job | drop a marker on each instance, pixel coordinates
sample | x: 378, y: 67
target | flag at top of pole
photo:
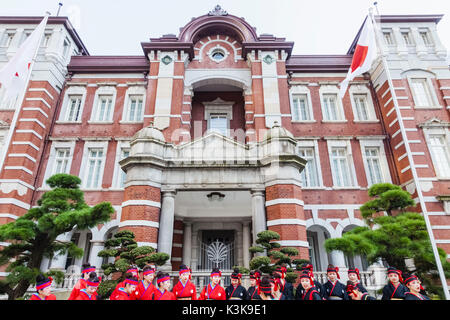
x: 14, y: 75
x: 365, y: 53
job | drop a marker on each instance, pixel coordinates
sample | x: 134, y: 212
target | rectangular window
x: 330, y: 107
x: 362, y: 112
x: 104, y: 108
x: 407, y: 38
x: 340, y: 167
x: 441, y: 155
x: 373, y: 162
x: 388, y: 38
x: 426, y: 38
x: 46, y: 40
x: 74, y: 108
x: 309, y: 175
x: 422, y: 93
x: 62, y: 159
x: 300, y: 108
x: 219, y: 123
x: 66, y: 47
x: 124, y: 153
x: 135, y: 108
x: 8, y: 38
x: 94, y: 167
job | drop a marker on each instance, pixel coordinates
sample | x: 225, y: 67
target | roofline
x: 435, y: 18
x: 108, y: 64
x: 51, y: 20
x: 318, y: 63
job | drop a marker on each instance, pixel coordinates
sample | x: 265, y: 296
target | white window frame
x: 72, y: 90
x: 8, y: 37
x: 133, y: 91
x: 362, y: 90
x: 313, y: 144
x: 334, y: 90
x: 418, y: 74
x: 446, y: 134
x: 344, y: 143
x: 385, y: 172
x: 51, y: 164
x: 84, y: 162
x: 301, y: 90
x: 426, y: 31
x: 391, y: 37
x: 122, y: 144
x: 408, y: 42
x: 219, y: 106
x: 103, y: 91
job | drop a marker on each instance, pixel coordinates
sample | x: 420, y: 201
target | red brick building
x: 217, y: 133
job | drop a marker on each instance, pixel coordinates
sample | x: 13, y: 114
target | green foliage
x: 242, y: 270
x: 273, y: 252
x: 392, y: 237
x: 105, y: 288
x: 33, y: 235
x: 125, y: 251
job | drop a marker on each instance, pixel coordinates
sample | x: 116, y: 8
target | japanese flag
x: 365, y: 53
x: 13, y: 76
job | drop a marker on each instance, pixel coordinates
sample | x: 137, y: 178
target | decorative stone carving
x: 218, y: 11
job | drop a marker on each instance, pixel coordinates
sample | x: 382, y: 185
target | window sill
x: 303, y: 121
x: 100, y: 122
x: 427, y: 107
x: 347, y: 188
x: 334, y: 121
x: 131, y: 122
x: 68, y: 122
x: 366, y: 121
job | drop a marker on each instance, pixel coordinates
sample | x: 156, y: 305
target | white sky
x: 316, y: 26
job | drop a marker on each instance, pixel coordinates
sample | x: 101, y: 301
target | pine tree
x: 393, y: 235
x: 33, y: 235
x: 275, y: 255
x: 126, y: 252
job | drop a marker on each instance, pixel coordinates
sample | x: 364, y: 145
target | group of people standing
x: 139, y: 285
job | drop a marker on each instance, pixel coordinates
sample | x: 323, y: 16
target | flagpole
x: 411, y: 160
x: 19, y: 102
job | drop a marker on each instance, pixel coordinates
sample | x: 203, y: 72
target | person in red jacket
x: 90, y: 292
x: 132, y: 271
x: 185, y: 289
x: 145, y: 288
x: 213, y: 291
x: 162, y: 291
x: 127, y: 291
x: 86, y: 269
x: 43, y: 288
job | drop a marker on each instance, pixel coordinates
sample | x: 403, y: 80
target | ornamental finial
x: 218, y: 11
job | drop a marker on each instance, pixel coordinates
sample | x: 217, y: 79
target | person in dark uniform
x: 307, y: 267
x: 309, y: 290
x: 235, y: 291
x: 355, y: 293
x: 265, y: 288
x: 353, y: 276
x: 333, y: 289
x: 255, y: 277
x: 286, y: 288
x: 394, y: 290
x: 414, y: 285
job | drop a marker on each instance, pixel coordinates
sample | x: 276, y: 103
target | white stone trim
x: 284, y: 201
x: 385, y: 173
x: 15, y: 202
x: 141, y: 203
x: 29, y: 131
x: 286, y: 222
x: 32, y: 120
x: 109, y: 90
x: 72, y: 90
x: 36, y: 109
x: 301, y: 90
x: 26, y: 143
x: 293, y: 243
x: 139, y: 223
x: 356, y: 89
x: 19, y: 168
x: 9, y: 215
x: 51, y: 159
x: 133, y: 91
x: 39, y: 99
x: 22, y: 155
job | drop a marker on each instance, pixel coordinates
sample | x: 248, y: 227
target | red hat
x: 307, y: 275
x: 333, y: 269
x: 396, y: 271
x: 185, y: 269
x: 410, y: 278
x: 44, y: 283
x: 354, y: 270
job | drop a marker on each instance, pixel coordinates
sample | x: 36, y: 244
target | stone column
x: 96, y: 247
x: 258, y: 212
x: 421, y: 49
x: 187, y: 243
x: 165, y: 233
x: 402, y: 50
x: 194, y: 252
x: 246, y: 242
x: 239, y: 251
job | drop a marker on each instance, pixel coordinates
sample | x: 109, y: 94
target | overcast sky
x: 316, y: 26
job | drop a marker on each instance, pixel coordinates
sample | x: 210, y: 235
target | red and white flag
x: 365, y: 53
x: 13, y: 76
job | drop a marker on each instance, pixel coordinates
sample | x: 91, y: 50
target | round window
x: 217, y: 55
